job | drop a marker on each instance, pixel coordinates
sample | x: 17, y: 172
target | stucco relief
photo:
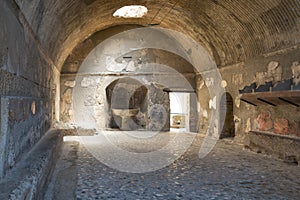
x: 296, y: 72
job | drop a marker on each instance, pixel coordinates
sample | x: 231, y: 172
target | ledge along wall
x: 281, y: 119
x: 26, y: 87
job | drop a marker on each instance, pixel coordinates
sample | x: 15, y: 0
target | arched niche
x: 226, y: 113
x: 127, y: 104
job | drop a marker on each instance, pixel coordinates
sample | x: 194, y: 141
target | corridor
x: 229, y: 171
x: 149, y: 99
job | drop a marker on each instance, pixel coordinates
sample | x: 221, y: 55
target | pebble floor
x: 228, y: 172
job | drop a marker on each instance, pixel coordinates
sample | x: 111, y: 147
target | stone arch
x: 226, y: 108
x: 126, y: 96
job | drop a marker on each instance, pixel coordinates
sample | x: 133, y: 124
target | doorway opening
x: 226, y: 113
x: 179, y: 111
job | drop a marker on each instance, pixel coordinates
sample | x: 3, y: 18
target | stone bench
x: 28, y: 178
x: 282, y: 146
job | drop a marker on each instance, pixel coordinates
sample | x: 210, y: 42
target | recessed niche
x: 127, y: 102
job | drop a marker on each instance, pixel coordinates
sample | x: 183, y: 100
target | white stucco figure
x: 296, y: 72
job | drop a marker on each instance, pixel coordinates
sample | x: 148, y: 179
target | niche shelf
x: 289, y: 97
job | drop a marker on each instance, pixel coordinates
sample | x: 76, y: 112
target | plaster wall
x: 84, y: 102
x: 255, y: 118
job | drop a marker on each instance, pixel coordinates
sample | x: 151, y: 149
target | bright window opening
x: 133, y: 11
x: 180, y: 109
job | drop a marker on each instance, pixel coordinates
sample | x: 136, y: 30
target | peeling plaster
x: 237, y: 101
x: 264, y: 121
x: 237, y: 79
x: 88, y: 82
x: 90, y: 101
x: 236, y: 119
x: 213, y: 103
x: 113, y: 66
x: 274, y: 72
x: 66, y: 105
x: 260, y: 78
x: 100, y: 100
x: 201, y: 84
x: 205, y: 114
x: 248, y: 125
x: 130, y: 66
x: 296, y: 72
x: 216, y: 129
x: 224, y: 84
x: 209, y: 82
x: 145, y: 81
x: 70, y: 84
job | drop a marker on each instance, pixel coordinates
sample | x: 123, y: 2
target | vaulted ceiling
x: 231, y: 30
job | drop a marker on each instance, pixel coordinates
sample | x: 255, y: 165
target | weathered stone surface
x: 26, y: 87
x: 296, y: 72
x: 274, y: 72
x: 158, y: 108
x: 264, y: 121
x: 281, y: 126
x: 260, y: 78
x: 34, y: 40
x: 70, y: 84
x: 194, y: 118
x: 88, y: 82
x: 23, y: 123
x: 126, y: 94
x: 28, y: 179
x: 237, y: 79
x: 63, y: 181
x: 273, y: 144
x: 295, y: 128
x: 248, y: 126
x: 94, y: 96
x: 66, y: 106
x: 265, y: 36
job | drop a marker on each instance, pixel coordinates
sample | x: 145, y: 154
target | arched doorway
x: 226, y: 113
